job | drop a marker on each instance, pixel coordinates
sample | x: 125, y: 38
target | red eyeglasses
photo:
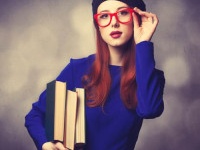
x: 123, y: 16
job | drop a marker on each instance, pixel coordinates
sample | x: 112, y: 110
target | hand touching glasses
x: 144, y: 31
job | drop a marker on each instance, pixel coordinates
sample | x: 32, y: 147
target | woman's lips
x: 115, y: 34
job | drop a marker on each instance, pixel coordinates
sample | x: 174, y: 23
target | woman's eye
x: 123, y: 12
x: 103, y: 16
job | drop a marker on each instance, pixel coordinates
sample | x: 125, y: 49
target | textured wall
x: 38, y: 37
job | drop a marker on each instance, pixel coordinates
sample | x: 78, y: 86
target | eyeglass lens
x: 123, y: 16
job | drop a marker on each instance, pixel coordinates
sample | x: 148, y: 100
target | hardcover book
x: 65, y: 115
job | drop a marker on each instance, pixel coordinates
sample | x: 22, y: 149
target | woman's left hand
x: 144, y: 30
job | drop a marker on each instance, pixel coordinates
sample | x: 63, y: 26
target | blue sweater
x: 114, y: 127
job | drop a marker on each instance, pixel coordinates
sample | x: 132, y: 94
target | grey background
x: 38, y: 37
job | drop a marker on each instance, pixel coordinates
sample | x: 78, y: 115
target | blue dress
x: 113, y: 127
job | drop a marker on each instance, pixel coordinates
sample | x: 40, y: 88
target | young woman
x: 121, y: 82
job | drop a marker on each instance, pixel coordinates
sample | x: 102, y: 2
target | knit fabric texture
x: 131, y: 3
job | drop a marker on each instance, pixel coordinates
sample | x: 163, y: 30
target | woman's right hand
x: 53, y: 146
x: 144, y: 31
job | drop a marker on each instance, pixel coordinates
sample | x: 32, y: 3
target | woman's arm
x: 150, y: 82
x: 35, y: 119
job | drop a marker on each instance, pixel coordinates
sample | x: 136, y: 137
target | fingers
x: 140, y: 12
x: 53, y: 146
x: 135, y: 20
x: 60, y: 146
x: 153, y: 18
x: 48, y: 146
x: 147, y: 16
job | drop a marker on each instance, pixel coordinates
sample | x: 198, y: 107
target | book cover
x: 55, y: 110
x: 70, y: 119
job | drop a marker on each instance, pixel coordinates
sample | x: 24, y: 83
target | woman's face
x: 116, y: 34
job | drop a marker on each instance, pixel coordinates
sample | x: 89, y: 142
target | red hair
x: 98, y: 82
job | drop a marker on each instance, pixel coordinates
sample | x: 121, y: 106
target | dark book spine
x: 50, y: 108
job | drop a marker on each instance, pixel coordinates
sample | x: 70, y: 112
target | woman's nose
x: 114, y: 22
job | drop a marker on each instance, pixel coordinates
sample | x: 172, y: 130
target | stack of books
x: 65, y: 115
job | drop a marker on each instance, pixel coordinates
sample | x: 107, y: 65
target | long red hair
x: 98, y: 82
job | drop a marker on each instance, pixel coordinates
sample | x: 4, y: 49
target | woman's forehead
x: 111, y: 5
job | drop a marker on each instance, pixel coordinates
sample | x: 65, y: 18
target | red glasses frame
x: 114, y: 14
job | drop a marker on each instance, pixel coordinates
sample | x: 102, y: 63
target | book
x: 55, y: 110
x: 70, y: 119
x: 65, y: 115
x: 80, y: 119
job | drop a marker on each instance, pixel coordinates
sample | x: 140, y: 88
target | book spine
x: 49, y: 116
x: 80, y: 119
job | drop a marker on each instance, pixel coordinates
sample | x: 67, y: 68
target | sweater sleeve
x: 150, y: 82
x: 35, y: 119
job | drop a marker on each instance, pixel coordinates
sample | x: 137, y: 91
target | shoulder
x: 85, y: 61
x: 76, y: 67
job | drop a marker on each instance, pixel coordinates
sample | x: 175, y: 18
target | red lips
x: 115, y: 34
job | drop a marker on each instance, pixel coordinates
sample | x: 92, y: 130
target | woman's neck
x: 116, y: 55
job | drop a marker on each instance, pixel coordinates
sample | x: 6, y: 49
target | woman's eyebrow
x: 116, y: 9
